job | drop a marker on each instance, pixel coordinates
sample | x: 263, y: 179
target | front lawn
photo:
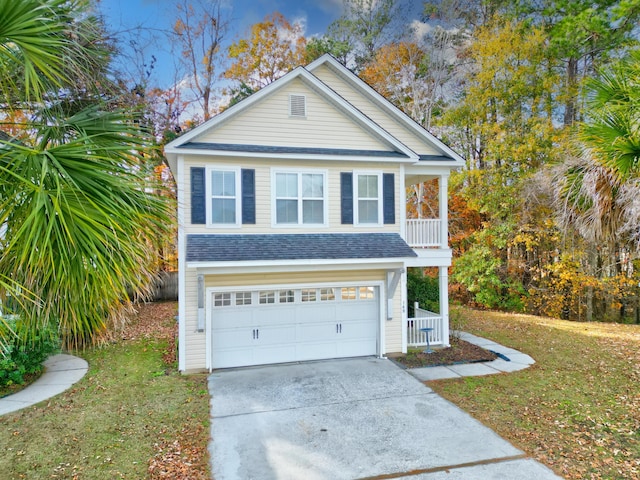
x: 577, y: 409
x: 132, y: 416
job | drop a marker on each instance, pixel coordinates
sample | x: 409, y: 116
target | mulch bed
x: 459, y: 352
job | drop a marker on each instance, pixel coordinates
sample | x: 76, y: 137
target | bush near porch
x: 424, y: 290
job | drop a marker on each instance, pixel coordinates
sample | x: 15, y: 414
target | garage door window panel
x: 267, y: 297
x: 287, y: 296
x: 327, y: 294
x: 309, y: 295
x: 348, y: 293
x: 222, y: 299
x: 243, y: 298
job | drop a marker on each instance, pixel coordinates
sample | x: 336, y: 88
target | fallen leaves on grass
x: 178, y: 458
x: 577, y: 409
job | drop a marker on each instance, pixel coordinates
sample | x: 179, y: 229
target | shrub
x: 22, y: 352
x: 424, y: 290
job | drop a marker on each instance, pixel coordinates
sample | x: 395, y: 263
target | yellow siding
x: 366, y: 106
x: 393, y: 328
x: 263, y: 195
x: 195, y: 342
x: 292, y: 278
x: 267, y: 122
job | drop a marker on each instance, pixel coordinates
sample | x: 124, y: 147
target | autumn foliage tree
x: 274, y: 47
x: 199, y: 30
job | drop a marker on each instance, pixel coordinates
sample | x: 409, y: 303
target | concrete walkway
x: 61, y: 372
x: 510, y: 360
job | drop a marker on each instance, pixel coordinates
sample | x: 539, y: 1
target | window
x: 243, y: 298
x: 267, y: 297
x: 308, y: 295
x: 327, y: 294
x: 287, y: 296
x: 348, y: 293
x: 221, y: 299
x: 300, y: 198
x: 367, y: 197
x: 366, y: 293
x: 224, y: 199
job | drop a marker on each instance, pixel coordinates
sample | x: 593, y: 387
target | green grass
x: 577, y: 409
x: 129, y: 412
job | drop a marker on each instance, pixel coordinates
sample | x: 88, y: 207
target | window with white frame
x: 368, y: 198
x: 224, y: 191
x: 300, y: 198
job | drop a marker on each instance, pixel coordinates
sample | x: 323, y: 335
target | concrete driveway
x: 349, y: 419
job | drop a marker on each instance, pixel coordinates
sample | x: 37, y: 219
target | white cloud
x: 420, y: 29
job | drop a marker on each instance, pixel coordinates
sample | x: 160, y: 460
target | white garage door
x: 255, y: 327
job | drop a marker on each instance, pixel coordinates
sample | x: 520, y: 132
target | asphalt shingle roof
x: 232, y: 147
x: 231, y: 248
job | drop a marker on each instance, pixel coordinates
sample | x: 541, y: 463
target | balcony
x: 425, y: 233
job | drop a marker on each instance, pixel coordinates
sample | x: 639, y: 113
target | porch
x: 438, y: 336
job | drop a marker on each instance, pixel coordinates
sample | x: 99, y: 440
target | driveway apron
x: 349, y: 419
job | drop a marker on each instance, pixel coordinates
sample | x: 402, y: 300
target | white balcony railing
x: 422, y: 233
x: 425, y: 319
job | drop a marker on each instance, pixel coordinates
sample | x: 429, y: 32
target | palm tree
x: 612, y: 134
x: 79, y: 219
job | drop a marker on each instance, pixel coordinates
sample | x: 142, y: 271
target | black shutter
x: 198, y: 189
x: 388, y: 198
x: 346, y: 197
x: 248, y: 196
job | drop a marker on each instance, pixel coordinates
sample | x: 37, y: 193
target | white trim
x: 299, y: 172
x: 209, y: 196
x: 402, y: 200
x: 405, y: 312
x: 295, y: 156
x: 182, y: 270
x: 315, y: 83
x: 385, y: 104
x: 316, y: 263
x: 356, y: 219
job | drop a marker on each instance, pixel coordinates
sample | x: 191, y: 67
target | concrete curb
x: 61, y: 372
x: 511, y: 361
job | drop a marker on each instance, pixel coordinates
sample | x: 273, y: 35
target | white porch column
x: 443, y: 287
x: 443, y: 184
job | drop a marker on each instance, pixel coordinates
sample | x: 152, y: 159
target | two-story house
x: 293, y: 240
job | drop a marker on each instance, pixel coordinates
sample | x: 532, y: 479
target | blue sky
x: 156, y: 16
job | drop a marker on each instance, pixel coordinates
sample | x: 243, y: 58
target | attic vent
x: 297, y: 105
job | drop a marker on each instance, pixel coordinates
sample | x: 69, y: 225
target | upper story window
x: 368, y: 198
x: 300, y: 198
x: 224, y: 195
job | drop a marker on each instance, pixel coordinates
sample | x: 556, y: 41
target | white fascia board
x: 430, y: 257
x: 294, y: 156
x: 434, y: 168
x: 266, y: 266
x: 348, y: 75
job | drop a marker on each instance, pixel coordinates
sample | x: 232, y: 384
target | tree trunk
x: 571, y: 92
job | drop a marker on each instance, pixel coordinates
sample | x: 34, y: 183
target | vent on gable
x: 297, y: 106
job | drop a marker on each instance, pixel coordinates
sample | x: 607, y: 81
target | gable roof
x: 337, y: 246
x: 180, y: 144
x: 360, y: 85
